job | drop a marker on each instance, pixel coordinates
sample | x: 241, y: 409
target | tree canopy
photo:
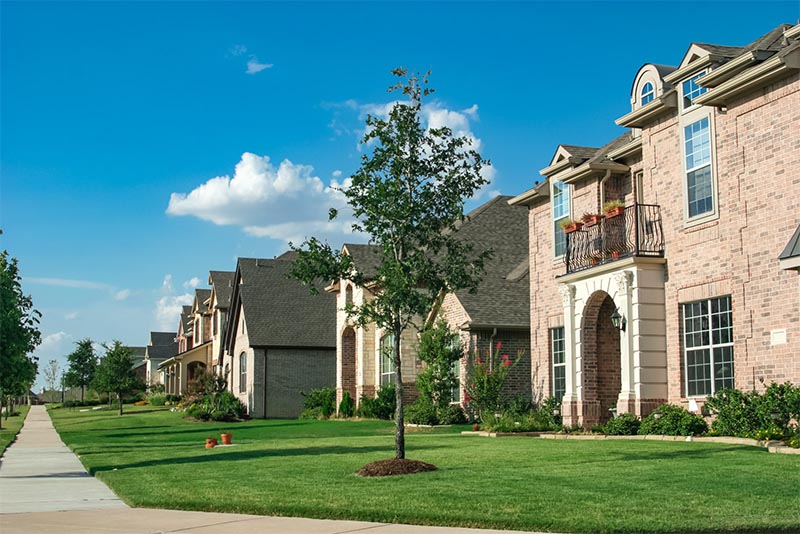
x: 82, y: 366
x: 408, y: 196
x: 115, y: 373
x: 19, y: 332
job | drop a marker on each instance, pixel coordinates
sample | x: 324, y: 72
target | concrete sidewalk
x: 44, y: 489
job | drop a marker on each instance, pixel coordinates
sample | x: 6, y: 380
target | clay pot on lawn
x: 227, y: 438
x: 211, y: 443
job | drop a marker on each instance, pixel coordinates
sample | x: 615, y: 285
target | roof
x: 162, y: 338
x: 223, y: 287
x: 279, y: 310
x: 202, y: 295
x: 503, y: 297
x: 582, y: 152
x: 792, y: 249
x: 162, y: 346
x: 366, y: 258
x: 186, y: 319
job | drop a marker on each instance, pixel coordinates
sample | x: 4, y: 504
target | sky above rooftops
x: 144, y: 144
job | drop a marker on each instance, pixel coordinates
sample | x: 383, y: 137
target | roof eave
x: 630, y: 149
x: 778, y: 66
x: 591, y: 169
x: 692, y: 67
x: 732, y: 68
x: 645, y: 114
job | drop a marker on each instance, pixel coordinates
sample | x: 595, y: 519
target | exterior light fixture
x: 618, y: 320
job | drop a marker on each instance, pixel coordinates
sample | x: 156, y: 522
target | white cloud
x: 65, y: 282
x: 166, y: 285
x: 168, y: 310
x: 288, y: 203
x: 253, y: 65
x: 71, y: 316
x: 238, y: 50
x: 192, y: 283
x: 337, y: 173
x: 122, y: 294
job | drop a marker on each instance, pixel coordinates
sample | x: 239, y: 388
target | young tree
x: 439, y: 348
x: 19, y: 334
x: 52, y: 375
x: 115, y: 374
x: 82, y: 366
x: 408, y: 196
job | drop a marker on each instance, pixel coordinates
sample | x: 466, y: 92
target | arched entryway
x: 195, y: 369
x: 601, y: 363
x: 348, y: 362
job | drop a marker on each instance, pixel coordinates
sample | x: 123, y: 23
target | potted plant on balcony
x: 614, y: 208
x: 569, y: 226
x: 591, y: 219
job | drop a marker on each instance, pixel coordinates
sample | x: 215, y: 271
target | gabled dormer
x: 651, y: 96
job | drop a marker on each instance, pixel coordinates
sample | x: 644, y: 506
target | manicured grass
x: 305, y: 468
x: 11, y: 427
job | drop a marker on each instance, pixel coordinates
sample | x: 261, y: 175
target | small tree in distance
x: 408, y: 196
x: 52, y: 375
x: 115, y: 374
x: 82, y: 366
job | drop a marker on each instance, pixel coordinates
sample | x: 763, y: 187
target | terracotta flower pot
x: 573, y: 227
x: 211, y: 443
x: 227, y: 438
x: 615, y: 212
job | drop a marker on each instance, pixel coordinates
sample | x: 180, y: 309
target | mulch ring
x: 384, y: 468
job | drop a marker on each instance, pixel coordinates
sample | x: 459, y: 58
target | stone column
x: 569, y: 404
x: 626, y: 401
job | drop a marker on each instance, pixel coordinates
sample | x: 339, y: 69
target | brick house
x: 160, y: 347
x: 194, y: 345
x: 687, y: 291
x: 280, y: 339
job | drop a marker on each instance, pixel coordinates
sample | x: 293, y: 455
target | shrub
x: 322, y: 398
x: 626, y: 424
x: 451, y: 415
x: 671, y: 420
x: 347, y: 406
x: 381, y: 407
x: 225, y: 406
x: 530, y: 422
x: 173, y: 398
x: 421, y: 412
x: 158, y: 400
x: 312, y: 413
x: 439, y: 349
x: 751, y: 415
x: 486, y: 380
x: 76, y: 403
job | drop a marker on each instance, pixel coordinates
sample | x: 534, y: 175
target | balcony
x: 635, y: 233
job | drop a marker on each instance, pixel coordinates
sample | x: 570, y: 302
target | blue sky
x: 113, y: 115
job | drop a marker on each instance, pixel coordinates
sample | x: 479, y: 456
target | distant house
x: 499, y: 310
x: 161, y: 347
x: 138, y: 360
x: 194, y: 342
x: 221, y: 283
x: 281, y: 340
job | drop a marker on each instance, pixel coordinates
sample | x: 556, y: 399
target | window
x: 648, y: 93
x: 196, y: 330
x: 691, y: 90
x: 387, y: 363
x: 214, y: 322
x: 699, y: 186
x: 455, y: 393
x: 243, y: 372
x: 708, y: 346
x: 560, y: 212
x: 558, y: 355
x: 348, y: 294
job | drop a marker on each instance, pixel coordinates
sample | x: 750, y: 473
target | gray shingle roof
x: 582, y: 152
x: 202, y: 295
x: 223, y: 286
x: 162, y: 346
x: 186, y: 319
x: 280, y: 311
x: 365, y: 257
x: 792, y: 249
x: 503, y: 297
x: 162, y: 338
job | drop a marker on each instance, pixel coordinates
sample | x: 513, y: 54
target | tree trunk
x: 83, y: 392
x: 119, y: 398
x: 400, y: 429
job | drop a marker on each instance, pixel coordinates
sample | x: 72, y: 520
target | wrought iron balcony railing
x: 636, y: 232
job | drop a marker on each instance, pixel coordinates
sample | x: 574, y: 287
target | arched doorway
x: 195, y: 369
x: 349, y: 362
x: 601, y: 363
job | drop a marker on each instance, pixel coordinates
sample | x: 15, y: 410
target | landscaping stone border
x: 777, y: 447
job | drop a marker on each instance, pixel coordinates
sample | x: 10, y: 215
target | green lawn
x: 11, y: 427
x: 305, y: 468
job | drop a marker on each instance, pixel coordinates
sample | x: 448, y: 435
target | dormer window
x: 560, y: 199
x: 690, y: 90
x: 648, y: 93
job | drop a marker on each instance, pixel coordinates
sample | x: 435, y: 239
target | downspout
x: 491, y: 348
x: 603, y: 180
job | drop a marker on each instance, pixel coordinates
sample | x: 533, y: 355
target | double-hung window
x: 387, y: 360
x: 558, y: 357
x: 708, y: 346
x: 455, y: 369
x: 560, y: 213
x: 690, y: 90
x: 699, y: 182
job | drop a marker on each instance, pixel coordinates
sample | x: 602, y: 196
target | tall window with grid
x: 560, y: 213
x: 558, y: 357
x: 708, y: 346
x: 387, y: 364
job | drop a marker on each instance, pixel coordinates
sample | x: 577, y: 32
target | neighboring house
x: 139, y: 362
x: 221, y: 283
x: 363, y: 360
x: 280, y: 338
x: 194, y: 342
x: 499, y: 311
x: 692, y: 272
x: 162, y: 346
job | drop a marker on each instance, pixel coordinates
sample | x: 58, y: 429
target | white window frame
x: 455, y: 368
x: 703, y: 90
x: 688, y: 120
x: 651, y: 93
x: 557, y: 185
x: 563, y: 364
x: 243, y: 372
x: 711, y: 346
x: 386, y: 376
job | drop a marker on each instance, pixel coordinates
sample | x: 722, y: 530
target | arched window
x: 243, y: 372
x: 387, y: 361
x: 348, y: 294
x: 648, y: 93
